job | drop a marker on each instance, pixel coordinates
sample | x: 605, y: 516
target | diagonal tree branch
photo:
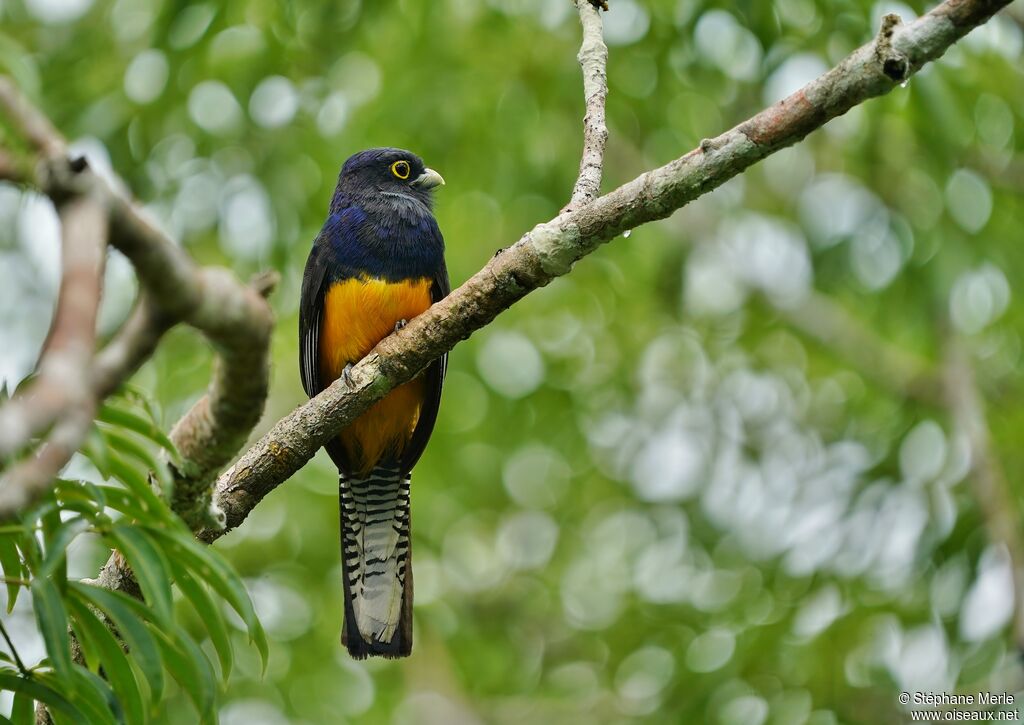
x: 820, y: 317
x: 593, y: 59
x: 131, y: 346
x: 235, y: 318
x: 62, y: 386
x: 550, y: 249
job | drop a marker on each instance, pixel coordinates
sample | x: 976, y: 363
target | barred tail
x: 376, y: 557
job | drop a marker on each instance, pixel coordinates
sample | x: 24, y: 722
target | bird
x: 377, y: 262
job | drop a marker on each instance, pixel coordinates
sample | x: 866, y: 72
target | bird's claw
x: 400, y: 324
x: 346, y: 375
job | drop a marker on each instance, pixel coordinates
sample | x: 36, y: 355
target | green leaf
x: 121, y: 500
x: 53, y: 624
x: 82, y: 496
x: 138, y: 483
x: 28, y: 542
x: 211, y: 616
x: 190, y: 667
x: 150, y: 567
x: 96, y: 450
x: 124, y: 612
x: 57, y: 545
x: 36, y: 690
x: 121, y: 416
x: 208, y: 566
x: 23, y: 711
x: 51, y: 525
x: 95, y: 698
x: 10, y: 560
x: 131, y: 447
x: 103, y: 648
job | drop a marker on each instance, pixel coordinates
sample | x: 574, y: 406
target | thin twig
x: 131, y: 346
x: 902, y: 373
x: 991, y: 488
x: 593, y: 59
x: 14, y: 651
x: 30, y: 123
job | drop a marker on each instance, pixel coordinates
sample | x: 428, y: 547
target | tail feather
x: 376, y: 558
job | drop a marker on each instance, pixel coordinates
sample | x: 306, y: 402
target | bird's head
x: 390, y: 172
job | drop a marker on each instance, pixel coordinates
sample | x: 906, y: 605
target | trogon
x: 377, y: 262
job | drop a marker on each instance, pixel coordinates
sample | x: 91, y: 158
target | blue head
x: 379, y: 176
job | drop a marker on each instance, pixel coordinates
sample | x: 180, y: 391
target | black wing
x: 433, y: 379
x: 311, y: 307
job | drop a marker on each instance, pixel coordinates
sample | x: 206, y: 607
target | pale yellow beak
x: 428, y: 179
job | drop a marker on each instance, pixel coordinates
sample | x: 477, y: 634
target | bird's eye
x: 400, y: 169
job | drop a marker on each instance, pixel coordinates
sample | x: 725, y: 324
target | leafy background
x: 648, y: 496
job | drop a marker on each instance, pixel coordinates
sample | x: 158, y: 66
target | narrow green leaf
x: 82, y: 496
x: 137, y: 482
x: 95, y: 698
x: 98, y: 642
x: 57, y: 545
x: 36, y: 690
x: 131, y: 447
x: 10, y: 561
x: 51, y: 524
x: 124, y: 501
x: 95, y: 449
x: 211, y: 616
x: 208, y: 566
x: 150, y: 567
x: 190, y: 667
x: 34, y: 519
x: 122, y: 611
x: 121, y: 416
x: 53, y: 624
x: 23, y: 711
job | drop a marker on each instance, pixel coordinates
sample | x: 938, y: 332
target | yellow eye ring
x: 401, y: 169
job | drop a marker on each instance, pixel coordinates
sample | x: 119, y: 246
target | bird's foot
x: 346, y: 375
x: 400, y: 324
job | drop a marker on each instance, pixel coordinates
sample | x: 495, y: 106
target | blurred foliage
x: 647, y: 497
x: 159, y: 548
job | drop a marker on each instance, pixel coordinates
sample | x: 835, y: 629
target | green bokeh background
x: 648, y: 498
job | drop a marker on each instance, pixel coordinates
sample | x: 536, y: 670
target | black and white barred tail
x: 376, y: 558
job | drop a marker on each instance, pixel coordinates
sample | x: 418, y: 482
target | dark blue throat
x: 383, y: 236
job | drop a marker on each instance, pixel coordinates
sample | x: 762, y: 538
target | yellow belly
x: 359, y: 313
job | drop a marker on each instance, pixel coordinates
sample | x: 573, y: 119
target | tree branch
x: 823, y: 319
x: 10, y: 170
x: 550, y: 249
x: 992, y: 491
x: 30, y: 123
x: 62, y: 387
x: 593, y: 59
x: 234, y: 317
x: 212, y: 432
x: 131, y: 346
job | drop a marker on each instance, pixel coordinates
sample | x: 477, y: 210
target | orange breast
x: 359, y: 313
